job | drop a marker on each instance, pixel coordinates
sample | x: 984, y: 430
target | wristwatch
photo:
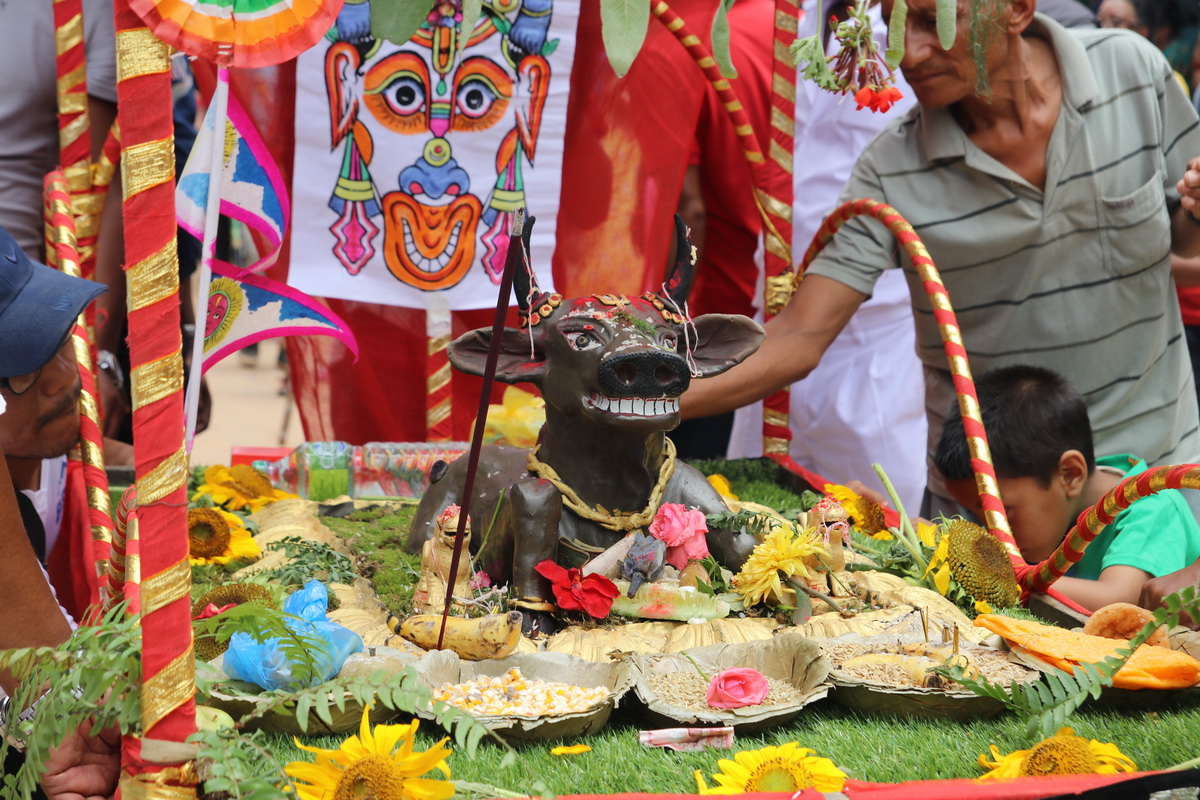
x: 107, y: 362
x: 24, y: 716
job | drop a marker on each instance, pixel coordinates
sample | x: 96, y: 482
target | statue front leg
x: 535, y: 509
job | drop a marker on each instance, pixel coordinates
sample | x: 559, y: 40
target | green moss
x: 377, y: 537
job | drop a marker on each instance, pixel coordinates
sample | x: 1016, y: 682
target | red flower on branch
x: 879, y: 100
x: 574, y: 591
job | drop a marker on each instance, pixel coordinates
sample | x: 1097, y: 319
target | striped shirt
x: 1075, y: 278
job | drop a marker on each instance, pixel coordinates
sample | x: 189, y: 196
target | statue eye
x: 583, y: 341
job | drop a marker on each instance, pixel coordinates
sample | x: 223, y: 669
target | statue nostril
x: 665, y: 375
x: 626, y: 373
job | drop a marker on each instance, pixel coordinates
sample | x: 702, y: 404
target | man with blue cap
x: 39, y: 423
x: 39, y: 382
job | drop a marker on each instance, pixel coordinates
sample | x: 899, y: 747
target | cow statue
x: 611, y: 369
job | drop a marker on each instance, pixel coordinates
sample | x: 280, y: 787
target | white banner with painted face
x: 410, y: 160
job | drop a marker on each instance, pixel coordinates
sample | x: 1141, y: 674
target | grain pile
x: 992, y: 664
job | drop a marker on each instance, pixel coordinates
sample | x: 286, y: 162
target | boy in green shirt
x: 1041, y: 443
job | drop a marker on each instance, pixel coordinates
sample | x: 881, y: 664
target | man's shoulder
x: 1113, y: 47
x: 897, y: 143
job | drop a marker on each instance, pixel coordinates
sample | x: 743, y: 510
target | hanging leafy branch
x: 94, y: 675
x: 1045, y: 706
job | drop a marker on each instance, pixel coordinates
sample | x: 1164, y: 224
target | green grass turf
x: 872, y: 747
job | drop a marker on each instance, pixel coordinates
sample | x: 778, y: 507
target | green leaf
x: 471, y: 9
x: 623, y: 25
x: 895, y: 49
x: 947, y: 22
x: 720, y: 39
x: 398, y: 20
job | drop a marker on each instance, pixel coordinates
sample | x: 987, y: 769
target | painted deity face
x: 444, y: 131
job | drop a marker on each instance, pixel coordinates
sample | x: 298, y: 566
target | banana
x: 474, y: 639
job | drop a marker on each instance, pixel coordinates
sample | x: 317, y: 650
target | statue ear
x: 342, y: 60
x: 468, y: 353
x: 724, y: 340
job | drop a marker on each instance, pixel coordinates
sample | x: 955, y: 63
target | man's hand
x: 1155, y: 589
x: 85, y: 766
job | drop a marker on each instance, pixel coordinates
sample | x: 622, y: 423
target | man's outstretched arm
x: 796, y: 340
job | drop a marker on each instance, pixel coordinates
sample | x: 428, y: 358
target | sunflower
x: 866, y: 516
x: 1064, y: 753
x: 370, y: 765
x: 217, y: 537
x: 980, y: 564
x: 787, y: 768
x: 238, y: 487
x: 781, y: 549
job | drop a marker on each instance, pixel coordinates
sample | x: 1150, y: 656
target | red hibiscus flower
x: 574, y: 591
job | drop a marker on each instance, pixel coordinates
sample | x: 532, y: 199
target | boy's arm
x: 1116, y: 584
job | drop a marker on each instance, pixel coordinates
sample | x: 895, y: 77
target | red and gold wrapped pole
x: 122, y: 579
x: 152, y: 275
x: 438, y: 399
x: 91, y: 440
x: 74, y: 139
x: 774, y: 197
x: 956, y: 354
x: 772, y: 175
x: 1092, y: 521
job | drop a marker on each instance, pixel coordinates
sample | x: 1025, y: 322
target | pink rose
x: 682, y: 530
x: 737, y: 687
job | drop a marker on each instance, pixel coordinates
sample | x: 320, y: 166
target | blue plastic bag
x: 265, y: 663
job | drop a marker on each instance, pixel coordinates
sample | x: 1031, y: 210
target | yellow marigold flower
x: 217, y: 537
x: 781, y: 549
x: 371, y: 765
x: 238, y: 487
x: 570, y: 750
x: 721, y: 484
x: 787, y: 768
x: 1064, y: 753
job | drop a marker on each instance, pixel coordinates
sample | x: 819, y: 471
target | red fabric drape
x: 70, y: 565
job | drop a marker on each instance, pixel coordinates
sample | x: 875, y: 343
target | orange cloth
x: 1148, y: 668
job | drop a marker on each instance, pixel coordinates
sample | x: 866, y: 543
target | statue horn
x: 678, y: 282
x: 524, y: 281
